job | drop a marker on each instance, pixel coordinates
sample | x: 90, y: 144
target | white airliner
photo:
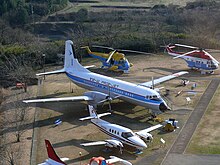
x: 53, y: 159
x: 120, y: 135
x: 105, y: 88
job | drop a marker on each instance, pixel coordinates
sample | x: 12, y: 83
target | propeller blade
x: 109, y: 58
x: 186, y: 46
x: 152, y: 82
x: 105, y: 47
x: 184, y: 54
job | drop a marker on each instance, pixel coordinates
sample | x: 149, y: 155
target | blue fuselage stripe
x: 112, y: 89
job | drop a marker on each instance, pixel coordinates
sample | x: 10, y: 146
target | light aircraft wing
x: 160, y: 80
x: 144, y: 131
x: 115, y: 159
x: 74, y: 98
x: 94, y: 143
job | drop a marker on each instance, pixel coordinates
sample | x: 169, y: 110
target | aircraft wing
x: 115, y: 159
x: 94, y: 143
x: 144, y: 131
x: 160, y: 80
x: 62, y: 99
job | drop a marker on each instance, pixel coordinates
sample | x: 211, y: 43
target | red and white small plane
x: 53, y: 159
x: 197, y: 58
x: 119, y: 135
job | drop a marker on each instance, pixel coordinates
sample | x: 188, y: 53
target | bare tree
x: 19, y: 68
x: 17, y: 120
x: 10, y: 154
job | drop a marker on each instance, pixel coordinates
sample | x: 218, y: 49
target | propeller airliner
x: 120, y: 135
x: 103, y: 88
x: 198, y: 58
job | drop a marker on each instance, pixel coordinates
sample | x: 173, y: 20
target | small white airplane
x: 53, y: 159
x: 105, y: 88
x: 120, y: 135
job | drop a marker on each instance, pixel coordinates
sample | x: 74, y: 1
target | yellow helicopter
x: 114, y: 60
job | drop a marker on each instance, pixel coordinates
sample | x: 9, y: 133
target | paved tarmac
x: 176, y: 154
x: 185, y: 159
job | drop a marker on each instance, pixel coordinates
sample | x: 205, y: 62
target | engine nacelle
x: 114, y: 143
x: 145, y: 136
x: 96, y: 96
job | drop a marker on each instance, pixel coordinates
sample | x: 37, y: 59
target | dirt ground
x: 67, y: 137
x: 17, y: 151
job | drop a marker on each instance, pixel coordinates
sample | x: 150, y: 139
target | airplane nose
x: 142, y: 144
x: 163, y: 107
x: 139, y: 142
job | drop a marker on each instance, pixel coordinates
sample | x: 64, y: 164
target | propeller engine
x: 115, y: 143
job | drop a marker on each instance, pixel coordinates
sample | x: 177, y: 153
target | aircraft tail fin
x: 93, y: 114
x: 52, y: 154
x: 71, y: 63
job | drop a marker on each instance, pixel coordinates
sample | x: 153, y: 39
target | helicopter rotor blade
x: 211, y: 56
x: 105, y: 47
x: 213, y: 50
x: 186, y: 46
x: 184, y: 54
x: 110, y: 56
x: 133, y: 51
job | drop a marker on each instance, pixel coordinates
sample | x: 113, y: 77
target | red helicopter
x: 198, y: 58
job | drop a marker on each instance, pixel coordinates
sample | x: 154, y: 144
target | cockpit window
x: 127, y: 134
x: 153, y: 97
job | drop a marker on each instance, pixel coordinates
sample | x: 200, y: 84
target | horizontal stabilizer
x: 90, y: 66
x: 52, y: 72
x: 104, y: 114
x: 87, y: 118
x: 95, y: 117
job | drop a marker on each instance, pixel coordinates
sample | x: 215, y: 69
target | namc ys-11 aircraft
x: 53, y: 158
x: 120, y: 135
x: 103, y: 88
x: 198, y: 58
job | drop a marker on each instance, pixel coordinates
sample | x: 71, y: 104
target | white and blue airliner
x: 102, y: 88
